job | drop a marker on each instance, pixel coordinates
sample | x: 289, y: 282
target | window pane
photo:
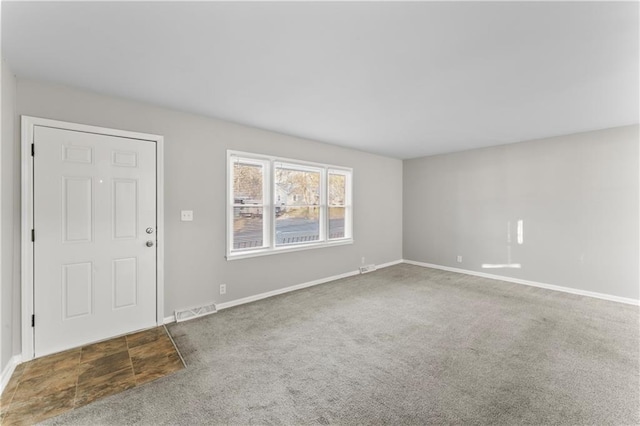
x: 296, y: 225
x: 247, y: 183
x: 336, y: 222
x: 248, y: 223
x: 297, y: 187
x: 337, y: 191
x: 247, y: 230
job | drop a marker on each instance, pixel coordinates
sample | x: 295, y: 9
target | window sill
x: 300, y: 247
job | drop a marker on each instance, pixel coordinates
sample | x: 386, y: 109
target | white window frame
x: 269, y: 196
x: 348, y: 200
x: 266, y: 204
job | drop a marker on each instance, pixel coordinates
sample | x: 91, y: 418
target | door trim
x: 28, y: 125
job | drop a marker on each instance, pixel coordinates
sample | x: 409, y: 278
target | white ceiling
x: 398, y: 79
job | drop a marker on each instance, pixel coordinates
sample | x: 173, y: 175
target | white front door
x: 94, y: 215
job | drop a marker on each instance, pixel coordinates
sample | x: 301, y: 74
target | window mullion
x: 266, y: 204
x: 272, y: 216
x: 348, y: 210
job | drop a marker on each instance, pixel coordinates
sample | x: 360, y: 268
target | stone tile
x: 44, y: 386
x: 49, y: 386
x: 102, y: 349
x: 153, y: 367
x: 20, y: 368
x: 9, y: 390
x: 160, y: 346
x: 51, y: 363
x: 105, y: 365
x: 147, y: 336
x: 5, y: 400
x: 108, y: 384
x: 36, y: 409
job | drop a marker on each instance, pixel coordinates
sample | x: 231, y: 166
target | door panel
x: 77, y: 209
x: 77, y: 282
x: 94, y: 276
x: 125, y: 282
x: 125, y: 208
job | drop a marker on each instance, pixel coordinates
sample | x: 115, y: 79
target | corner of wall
x: 3, y: 364
x: 9, y: 166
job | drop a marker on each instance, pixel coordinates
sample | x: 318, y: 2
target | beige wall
x: 10, y: 211
x: 195, y: 179
x: 577, y: 196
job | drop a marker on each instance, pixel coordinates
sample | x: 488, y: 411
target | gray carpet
x: 403, y: 345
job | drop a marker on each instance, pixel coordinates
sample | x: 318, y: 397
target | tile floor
x: 49, y: 386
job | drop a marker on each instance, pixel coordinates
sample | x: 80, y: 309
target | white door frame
x: 28, y: 125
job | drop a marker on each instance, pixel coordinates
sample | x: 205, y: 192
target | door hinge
x: 33, y: 235
x: 33, y: 150
x: 33, y: 320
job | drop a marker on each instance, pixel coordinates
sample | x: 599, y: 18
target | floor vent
x: 367, y: 268
x: 191, y: 313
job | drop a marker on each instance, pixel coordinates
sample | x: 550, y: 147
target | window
x: 278, y: 205
x: 248, y: 207
x: 337, y: 204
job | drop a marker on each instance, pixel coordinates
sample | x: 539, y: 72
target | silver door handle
x: 149, y: 243
x: 149, y: 230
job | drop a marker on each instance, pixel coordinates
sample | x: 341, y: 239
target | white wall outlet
x: 459, y: 259
x: 186, y: 215
x: 223, y: 288
x: 362, y: 261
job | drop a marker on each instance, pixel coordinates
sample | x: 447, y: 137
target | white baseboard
x: 261, y: 296
x: 169, y: 319
x: 8, y: 371
x: 603, y: 296
x: 386, y: 265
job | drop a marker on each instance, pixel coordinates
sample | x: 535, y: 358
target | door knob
x: 149, y: 230
x: 149, y: 243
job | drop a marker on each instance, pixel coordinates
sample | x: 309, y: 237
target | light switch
x: 186, y: 215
